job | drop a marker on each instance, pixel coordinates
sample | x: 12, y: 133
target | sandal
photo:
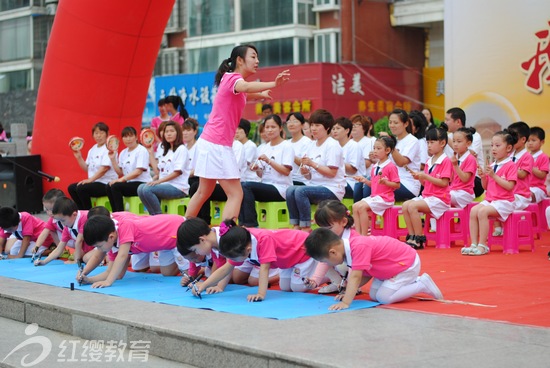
x: 480, y: 250
x: 410, y: 240
x: 466, y: 250
x: 420, y: 240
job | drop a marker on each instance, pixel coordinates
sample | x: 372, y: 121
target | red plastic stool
x: 451, y: 226
x: 518, y: 230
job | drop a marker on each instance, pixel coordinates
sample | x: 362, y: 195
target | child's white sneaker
x: 431, y: 287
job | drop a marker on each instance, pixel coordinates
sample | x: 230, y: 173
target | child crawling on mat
x: 393, y: 265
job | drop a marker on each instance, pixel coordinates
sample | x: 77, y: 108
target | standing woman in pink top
x: 214, y: 158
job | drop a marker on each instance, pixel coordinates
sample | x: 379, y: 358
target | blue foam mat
x: 167, y: 290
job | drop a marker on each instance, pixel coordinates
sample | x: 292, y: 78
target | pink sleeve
x: 65, y: 236
x: 543, y: 163
x: 527, y: 164
x: 219, y: 260
x: 50, y: 225
x: 27, y: 228
x: 266, y: 249
x: 447, y: 169
x: 193, y: 269
x: 3, y: 234
x: 511, y: 173
x: 393, y: 174
x: 470, y: 166
x: 361, y: 256
x: 233, y: 263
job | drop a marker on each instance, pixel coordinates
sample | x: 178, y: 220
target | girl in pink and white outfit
x: 498, y: 180
x: 217, y: 137
x: 436, y: 197
x: 384, y: 181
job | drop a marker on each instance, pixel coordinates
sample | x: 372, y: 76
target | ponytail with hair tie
x: 224, y: 228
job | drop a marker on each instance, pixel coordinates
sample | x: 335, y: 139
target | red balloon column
x: 98, y: 66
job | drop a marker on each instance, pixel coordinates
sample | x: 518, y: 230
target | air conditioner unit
x: 51, y: 9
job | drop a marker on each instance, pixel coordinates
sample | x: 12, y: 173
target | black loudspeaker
x: 20, y: 185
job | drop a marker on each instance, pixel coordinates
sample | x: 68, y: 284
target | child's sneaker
x: 430, y: 285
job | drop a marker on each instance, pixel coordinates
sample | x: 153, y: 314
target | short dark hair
x: 101, y: 126
x: 521, y: 128
x: 128, y: 131
x: 245, y: 125
x: 97, y: 229
x: 267, y: 107
x: 52, y: 194
x: 189, y: 233
x: 539, y: 132
x: 344, y: 123
x: 323, y: 117
x: 64, y: 206
x: 509, y: 136
x: 234, y: 242
x: 457, y: 114
x: 319, y: 242
x: 99, y: 210
x: 9, y: 217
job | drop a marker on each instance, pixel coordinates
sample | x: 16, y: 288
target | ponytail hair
x: 389, y: 141
x: 468, y: 133
x: 509, y: 136
x: 178, y: 104
x: 229, y: 64
x: 330, y: 211
x: 233, y: 240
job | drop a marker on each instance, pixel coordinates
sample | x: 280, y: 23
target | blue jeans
x: 403, y: 194
x: 150, y: 196
x: 299, y: 200
x: 256, y: 192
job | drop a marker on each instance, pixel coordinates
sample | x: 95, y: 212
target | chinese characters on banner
x: 537, y: 66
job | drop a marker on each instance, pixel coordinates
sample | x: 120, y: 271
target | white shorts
x: 437, y: 206
x: 378, y: 205
x: 254, y: 271
x: 461, y: 198
x: 504, y: 208
x: 299, y: 271
x: 539, y: 194
x: 214, y: 161
x: 407, y: 277
x: 161, y: 258
x: 16, y: 247
x: 521, y: 202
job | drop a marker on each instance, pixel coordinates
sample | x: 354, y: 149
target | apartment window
x: 210, y: 17
x: 15, y: 81
x: 41, y: 29
x: 169, y: 61
x: 275, y: 52
x: 326, y: 5
x: 305, y: 13
x: 207, y: 59
x: 265, y: 13
x: 327, y: 47
x: 13, y: 4
x: 305, y: 50
x: 15, y: 39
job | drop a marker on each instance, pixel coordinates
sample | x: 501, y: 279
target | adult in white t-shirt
x: 300, y: 144
x: 406, y: 155
x: 99, y: 168
x: 250, y: 151
x: 273, y: 166
x: 174, y: 168
x: 352, y: 156
x: 323, y: 166
x: 455, y: 118
x: 361, y: 127
x: 132, y: 167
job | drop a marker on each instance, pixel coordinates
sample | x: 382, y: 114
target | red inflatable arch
x: 98, y: 66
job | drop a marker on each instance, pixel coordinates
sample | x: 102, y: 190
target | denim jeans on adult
x: 256, y: 192
x: 299, y: 200
x: 150, y: 195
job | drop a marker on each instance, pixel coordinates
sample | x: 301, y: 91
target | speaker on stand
x: 20, y: 188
